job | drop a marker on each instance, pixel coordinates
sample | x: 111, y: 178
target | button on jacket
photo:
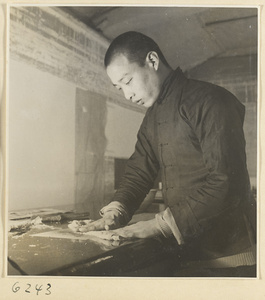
x: 194, y: 134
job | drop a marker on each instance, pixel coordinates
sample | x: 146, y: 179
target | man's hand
x: 105, y: 223
x: 143, y: 229
x: 111, y: 220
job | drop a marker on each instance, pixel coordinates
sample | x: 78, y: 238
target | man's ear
x: 152, y: 59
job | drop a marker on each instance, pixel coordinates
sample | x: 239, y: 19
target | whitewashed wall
x: 51, y: 54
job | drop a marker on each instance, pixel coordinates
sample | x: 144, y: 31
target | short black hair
x: 135, y: 46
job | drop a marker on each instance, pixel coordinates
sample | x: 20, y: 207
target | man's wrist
x: 118, y: 210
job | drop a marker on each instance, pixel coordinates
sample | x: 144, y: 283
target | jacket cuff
x: 168, y: 226
x: 163, y: 226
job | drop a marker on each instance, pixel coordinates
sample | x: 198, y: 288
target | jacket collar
x: 175, y: 76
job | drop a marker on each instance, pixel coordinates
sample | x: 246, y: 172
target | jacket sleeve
x: 217, y: 120
x: 140, y: 173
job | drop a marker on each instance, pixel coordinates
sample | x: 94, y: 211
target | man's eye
x: 128, y: 82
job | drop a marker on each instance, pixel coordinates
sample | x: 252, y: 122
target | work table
x: 33, y: 253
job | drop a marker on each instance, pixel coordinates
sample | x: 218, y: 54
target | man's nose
x: 128, y: 94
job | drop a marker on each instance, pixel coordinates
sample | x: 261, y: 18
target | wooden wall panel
x: 90, y: 149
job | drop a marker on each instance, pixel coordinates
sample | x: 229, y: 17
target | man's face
x: 139, y: 84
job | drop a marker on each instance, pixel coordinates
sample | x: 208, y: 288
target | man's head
x: 136, y: 65
x: 135, y: 46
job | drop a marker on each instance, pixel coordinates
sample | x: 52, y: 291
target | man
x: 193, y: 132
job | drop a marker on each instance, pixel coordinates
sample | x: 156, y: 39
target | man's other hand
x: 143, y: 229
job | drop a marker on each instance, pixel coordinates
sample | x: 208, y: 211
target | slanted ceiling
x: 188, y: 36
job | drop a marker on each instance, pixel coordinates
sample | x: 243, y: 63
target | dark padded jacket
x: 194, y: 134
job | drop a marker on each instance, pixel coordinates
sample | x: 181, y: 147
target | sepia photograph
x: 131, y: 144
x: 132, y: 141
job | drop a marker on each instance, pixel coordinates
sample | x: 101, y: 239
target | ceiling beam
x: 229, y: 20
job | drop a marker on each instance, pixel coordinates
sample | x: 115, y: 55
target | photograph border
x: 131, y: 288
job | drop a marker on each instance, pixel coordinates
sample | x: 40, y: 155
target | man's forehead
x: 119, y: 68
x: 119, y: 60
